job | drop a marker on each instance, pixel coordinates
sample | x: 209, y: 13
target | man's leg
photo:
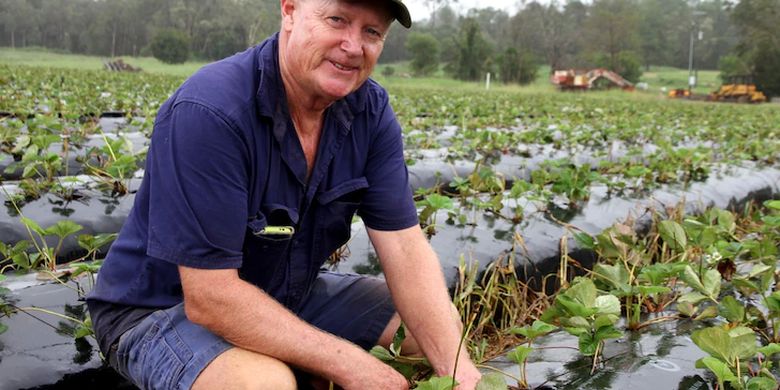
x: 167, y: 351
x: 240, y: 369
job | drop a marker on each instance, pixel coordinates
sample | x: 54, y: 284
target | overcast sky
x: 419, y: 11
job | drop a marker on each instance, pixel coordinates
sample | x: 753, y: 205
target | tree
x: 611, y: 29
x: 516, y: 67
x: 473, y: 51
x: 170, y: 46
x: 223, y: 42
x: 424, y: 49
x: 662, y: 27
x: 759, y: 45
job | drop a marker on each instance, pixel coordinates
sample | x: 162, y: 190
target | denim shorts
x: 167, y: 351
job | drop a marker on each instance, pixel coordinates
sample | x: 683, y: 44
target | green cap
x: 401, y: 13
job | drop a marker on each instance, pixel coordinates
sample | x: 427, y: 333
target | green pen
x: 277, y: 231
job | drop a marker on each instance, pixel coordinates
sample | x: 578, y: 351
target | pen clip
x: 276, y: 231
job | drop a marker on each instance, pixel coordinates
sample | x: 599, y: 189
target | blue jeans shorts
x: 167, y: 351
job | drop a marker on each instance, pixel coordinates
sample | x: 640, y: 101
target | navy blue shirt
x: 225, y: 163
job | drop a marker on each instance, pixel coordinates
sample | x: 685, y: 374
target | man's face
x: 333, y: 44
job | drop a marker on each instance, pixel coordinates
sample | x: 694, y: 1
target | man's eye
x: 374, y: 32
x: 336, y: 19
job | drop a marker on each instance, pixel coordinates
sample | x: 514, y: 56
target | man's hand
x: 467, y: 376
x: 376, y: 376
x: 417, y: 285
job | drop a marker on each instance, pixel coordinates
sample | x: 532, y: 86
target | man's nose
x: 352, y: 42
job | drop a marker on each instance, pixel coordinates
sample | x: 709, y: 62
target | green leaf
x: 726, y: 221
x: 707, y: 237
x: 587, y: 344
x: 583, y: 290
x: 439, y: 202
x: 761, y: 383
x: 3, y: 328
x: 707, y: 313
x: 436, y: 383
x: 63, y: 228
x: 773, y: 204
x: 576, y: 331
x: 573, y: 307
x: 731, y: 309
x: 691, y: 278
x: 604, y: 321
x: 538, y: 328
x: 712, y: 281
x: 649, y: 290
x: 743, y: 342
x: 519, y: 354
x: 692, y: 298
x: 492, y: 381
x: 770, y: 349
x: 686, y: 308
x: 745, y: 286
x: 720, y: 369
x: 576, y: 322
x: 585, y: 240
x: 615, y: 275
x: 715, y: 341
x: 608, y: 304
x: 673, y: 235
x: 759, y: 269
x: 609, y: 332
x: 773, y: 302
x: 32, y: 225
x: 381, y: 353
x: 398, y: 338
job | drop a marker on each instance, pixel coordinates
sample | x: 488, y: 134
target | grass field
x: 657, y: 77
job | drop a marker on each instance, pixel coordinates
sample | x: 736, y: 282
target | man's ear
x: 288, y: 6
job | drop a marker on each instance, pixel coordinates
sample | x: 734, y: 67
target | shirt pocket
x: 267, y: 245
x: 337, y: 206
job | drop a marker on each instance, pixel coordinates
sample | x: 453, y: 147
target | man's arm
x: 248, y: 318
x: 420, y: 295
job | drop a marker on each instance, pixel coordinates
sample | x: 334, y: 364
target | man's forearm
x: 419, y: 292
x: 250, y: 319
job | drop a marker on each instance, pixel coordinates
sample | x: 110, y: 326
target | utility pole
x: 695, y: 33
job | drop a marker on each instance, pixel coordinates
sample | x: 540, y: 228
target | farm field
x: 577, y: 231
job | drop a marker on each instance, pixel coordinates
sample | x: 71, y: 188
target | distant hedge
x: 170, y: 46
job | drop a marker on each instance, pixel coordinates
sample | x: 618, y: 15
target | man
x: 256, y: 167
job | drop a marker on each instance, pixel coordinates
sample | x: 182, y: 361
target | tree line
x: 627, y: 36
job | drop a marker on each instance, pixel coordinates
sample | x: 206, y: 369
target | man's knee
x: 238, y: 368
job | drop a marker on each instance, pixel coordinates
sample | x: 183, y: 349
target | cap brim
x: 401, y: 13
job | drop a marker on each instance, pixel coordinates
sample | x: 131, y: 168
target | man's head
x: 328, y: 48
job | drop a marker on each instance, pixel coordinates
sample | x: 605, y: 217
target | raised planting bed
x: 665, y: 209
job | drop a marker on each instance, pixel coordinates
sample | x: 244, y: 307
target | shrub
x: 388, y: 71
x: 171, y: 46
x: 425, y: 53
x: 224, y: 42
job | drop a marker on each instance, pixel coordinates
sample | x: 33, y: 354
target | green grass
x: 672, y: 78
x: 44, y: 58
x: 656, y: 77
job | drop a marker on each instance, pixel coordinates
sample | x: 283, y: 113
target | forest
x: 624, y: 35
